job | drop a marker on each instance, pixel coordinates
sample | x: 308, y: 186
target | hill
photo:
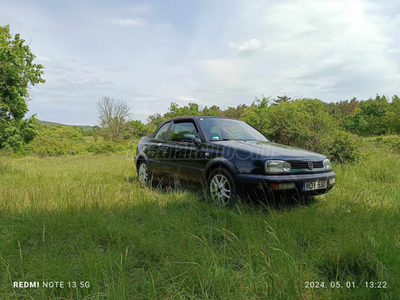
x: 84, y: 127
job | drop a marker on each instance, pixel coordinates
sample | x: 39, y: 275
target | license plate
x: 314, y: 185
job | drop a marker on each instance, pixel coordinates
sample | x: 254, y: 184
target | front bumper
x: 266, y: 181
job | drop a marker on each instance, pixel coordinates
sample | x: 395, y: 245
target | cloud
x: 128, y: 22
x: 326, y: 49
x: 42, y: 59
x: 140, y: 8
x: 187, y: 98
x: 222, y: 55
x: 249, y: 46
x: 222, y: 70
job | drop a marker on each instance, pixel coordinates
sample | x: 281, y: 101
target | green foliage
x: 392, y: 118
x: 256, y: 116
x: 212, y: 111
x: 58, y: 140
x: 302, y: 123
x: 235, y: 112
x: 370, y: 118
x: 305, y: 123
x: 342, y: 109
x: 15, y: 133
x: 66, y: 140
x: 104, y: 147
x: 134, y: 129
x: 17, y: 73
x: 47, y: 146
x: 70, y: 133
x: 281, y: 99
x: 386, y: 143
x: 341, y: 146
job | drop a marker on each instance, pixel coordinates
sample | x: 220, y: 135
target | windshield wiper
x: 213, y: 140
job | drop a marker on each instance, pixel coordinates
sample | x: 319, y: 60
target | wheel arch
x: 219, y: 163
x: 141, y: 157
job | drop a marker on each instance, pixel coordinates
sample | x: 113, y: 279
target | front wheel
x: 144, y: 173
x: 221, y: 186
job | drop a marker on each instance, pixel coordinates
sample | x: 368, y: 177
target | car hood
x: 271, y: 150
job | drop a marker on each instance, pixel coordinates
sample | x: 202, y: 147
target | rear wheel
x: 144, y: 173
x: 221, y: 186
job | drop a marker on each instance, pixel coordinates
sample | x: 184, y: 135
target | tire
x: 144, y: 173
x: 221, y: 186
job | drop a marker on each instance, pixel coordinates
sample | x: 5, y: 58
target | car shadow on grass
x: 257, y: 199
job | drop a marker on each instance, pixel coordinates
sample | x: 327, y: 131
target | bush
x: 71, y: 133
x: 104, y: 147
x: 49, y: 146
x: 305, y: 124
x: 63, y: 140
x: 341, y: 147
x: 391, y: 143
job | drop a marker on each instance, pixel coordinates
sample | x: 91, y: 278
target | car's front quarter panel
x: 248, y: 166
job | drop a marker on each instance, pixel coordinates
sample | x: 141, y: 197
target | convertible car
x: 229, y: 156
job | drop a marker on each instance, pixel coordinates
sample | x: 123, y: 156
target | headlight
x: 277, y: 166
x: 327, y: 165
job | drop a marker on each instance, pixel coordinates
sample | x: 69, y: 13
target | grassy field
x: 85, y: 219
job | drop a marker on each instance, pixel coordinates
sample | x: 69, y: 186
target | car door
x: 155, y: 151
x: 183, y: 152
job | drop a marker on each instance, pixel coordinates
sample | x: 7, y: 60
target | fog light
x: 284, y: 186
x: 281, y: 186
x: 332, y: 181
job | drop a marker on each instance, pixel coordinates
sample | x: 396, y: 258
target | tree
x: 370, y: 118
x: 17, y: 73
x: 236, y: 113
x: 302, y: 123
x: 211, y: 111
x: 113, y: 115
x: 134, y: 129
x: 281, y: 99
x: 392, y: 116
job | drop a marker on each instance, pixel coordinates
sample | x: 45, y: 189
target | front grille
x: 297, y: 165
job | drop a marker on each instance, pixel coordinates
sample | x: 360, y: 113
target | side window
x: 179, y: 129
x: 162, y: 132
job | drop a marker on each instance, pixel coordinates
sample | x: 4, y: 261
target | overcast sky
x: 152, y: 53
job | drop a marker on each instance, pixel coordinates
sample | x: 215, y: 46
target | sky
x: 225, y: 52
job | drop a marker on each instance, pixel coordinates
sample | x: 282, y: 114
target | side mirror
x: 189, y: 137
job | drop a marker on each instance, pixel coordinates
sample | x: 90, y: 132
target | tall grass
x: 86, y: 219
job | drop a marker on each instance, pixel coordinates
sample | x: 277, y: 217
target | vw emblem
x: 310, y: 165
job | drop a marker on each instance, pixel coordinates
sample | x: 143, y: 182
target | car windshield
x: 218, y: 129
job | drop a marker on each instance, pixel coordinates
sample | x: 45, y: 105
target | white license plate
x: 315, y: 185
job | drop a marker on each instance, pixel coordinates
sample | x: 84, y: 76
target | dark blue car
x: 229, y: 156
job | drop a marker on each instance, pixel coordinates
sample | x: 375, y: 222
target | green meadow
x: 84, y: 220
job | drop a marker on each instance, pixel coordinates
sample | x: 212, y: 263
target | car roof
x: 185, y: 118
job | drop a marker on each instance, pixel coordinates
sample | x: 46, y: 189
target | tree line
x: 329, y: 128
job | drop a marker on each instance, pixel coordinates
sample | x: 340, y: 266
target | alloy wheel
x: 220, y: 189
x: 143, y: 173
